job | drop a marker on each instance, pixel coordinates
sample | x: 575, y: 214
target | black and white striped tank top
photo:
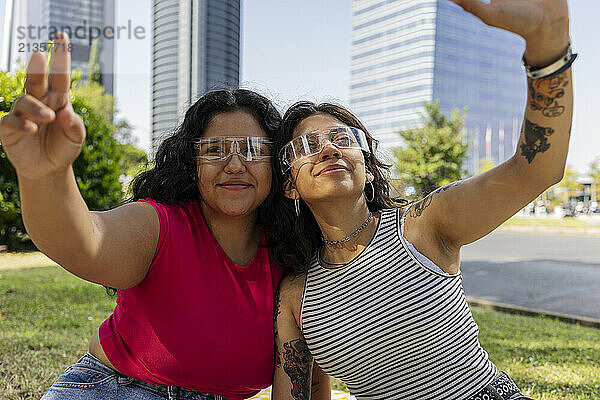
x: 391, y: 328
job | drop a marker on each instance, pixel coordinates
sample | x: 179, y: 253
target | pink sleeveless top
x: 197, y: 320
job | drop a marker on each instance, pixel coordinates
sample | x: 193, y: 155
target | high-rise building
x: 33, y: 22
x: 196, y: 47
x: 406, y: 52
x: 5, y: 31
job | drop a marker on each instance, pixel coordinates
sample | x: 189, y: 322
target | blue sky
x: 294, y: 50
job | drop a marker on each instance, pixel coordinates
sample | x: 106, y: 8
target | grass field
x: 48, y: 315
x: 566, y: 223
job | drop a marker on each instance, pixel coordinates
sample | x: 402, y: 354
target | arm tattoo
x: 535, y: 140
x: 276, y: 312
x: 417, y: 209
x: 297, y: 363
x: 544, y: 94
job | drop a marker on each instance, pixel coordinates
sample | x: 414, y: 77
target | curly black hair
x: 174, y: 176
x: 299, y: 238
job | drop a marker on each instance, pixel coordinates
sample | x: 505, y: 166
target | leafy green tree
x: 93, y: 93
x: 11, y: 225
x: 562, y: 192
x: 433, y: 154
x: 97, y: 168
x: 595, y: 174
x: 569, y: 181
x: 133, y: 161
x: 94, y: 72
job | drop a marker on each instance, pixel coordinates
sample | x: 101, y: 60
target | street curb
x: 532, y: 312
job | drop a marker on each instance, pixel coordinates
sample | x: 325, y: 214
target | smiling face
x: 333, y: 173
x: 234, y: 187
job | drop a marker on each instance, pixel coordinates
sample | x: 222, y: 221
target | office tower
x: 33, y: 22
x: 196, y: 47
x: 406, y: 52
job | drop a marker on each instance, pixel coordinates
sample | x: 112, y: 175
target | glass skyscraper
x: 196, y: 47
x: 406, y: 52
x: 32, y: 22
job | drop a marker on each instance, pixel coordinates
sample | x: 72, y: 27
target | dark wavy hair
x: 174, y: 175
x: 299, y: 238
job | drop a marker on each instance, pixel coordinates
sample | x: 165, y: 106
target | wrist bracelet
x: 557, y: 67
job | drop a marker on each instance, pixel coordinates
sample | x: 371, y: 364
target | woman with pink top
x: 195, y: 282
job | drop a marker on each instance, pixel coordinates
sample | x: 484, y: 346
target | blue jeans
x: 89, y: 379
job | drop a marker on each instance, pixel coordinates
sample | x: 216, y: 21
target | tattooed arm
x: 466, y: 211
x: 297, y: 377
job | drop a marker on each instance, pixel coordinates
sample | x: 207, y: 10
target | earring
x: 297, y: 206
x: 373, y: 190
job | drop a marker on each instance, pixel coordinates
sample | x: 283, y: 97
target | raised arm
x: 297, y: 377
x: 42, y: 136
x: 465, y: 211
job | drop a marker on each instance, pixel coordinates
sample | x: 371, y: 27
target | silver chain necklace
x: 353, y: 234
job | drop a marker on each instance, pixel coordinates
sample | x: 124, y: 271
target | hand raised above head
x: 544, y: 24
x: 42, y: 134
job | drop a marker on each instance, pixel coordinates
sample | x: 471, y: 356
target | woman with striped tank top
x: 376, y: 298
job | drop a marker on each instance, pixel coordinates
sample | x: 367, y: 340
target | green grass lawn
x: 566, y: 223
x: 47, y: 317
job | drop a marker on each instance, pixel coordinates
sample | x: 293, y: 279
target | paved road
x: 548, y: 272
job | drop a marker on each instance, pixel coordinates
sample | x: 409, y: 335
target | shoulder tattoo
x: 416, y: 209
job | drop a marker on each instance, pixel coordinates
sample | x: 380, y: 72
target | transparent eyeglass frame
x: 231, y: 145
x: 299, y: 148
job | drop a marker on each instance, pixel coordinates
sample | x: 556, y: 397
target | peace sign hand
x: 42, y: 134
x: 544, y: 24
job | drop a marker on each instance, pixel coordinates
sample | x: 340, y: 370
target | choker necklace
x: 356, y: 232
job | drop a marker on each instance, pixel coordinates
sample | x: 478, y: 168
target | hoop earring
x: 373, y: 190
x: 297, y: 206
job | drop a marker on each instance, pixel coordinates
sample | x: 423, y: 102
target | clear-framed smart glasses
x: 215, y: 149
x: 342, y: 137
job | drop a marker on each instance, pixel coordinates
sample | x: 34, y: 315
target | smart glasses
x: 215, y: 149
x: 312, y: 143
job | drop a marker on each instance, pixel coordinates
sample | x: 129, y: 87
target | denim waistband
x: 166, y: 391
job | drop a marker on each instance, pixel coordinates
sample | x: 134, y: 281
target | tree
x: 568, y: 186
x: 433, y: 155
x: 96, y: 169
x: 133, y: 160
x: 94, y: 72
x: 93, y: 94
x: 595, y: 174
x: 11, y: 224
x: 569, y: 181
